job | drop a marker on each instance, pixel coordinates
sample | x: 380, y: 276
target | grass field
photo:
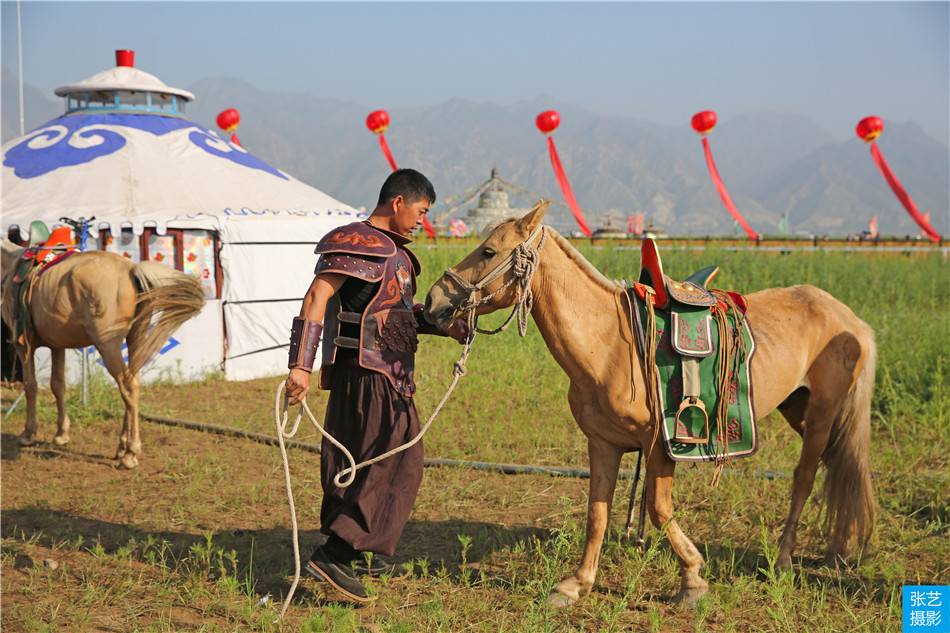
x: 198, y: 537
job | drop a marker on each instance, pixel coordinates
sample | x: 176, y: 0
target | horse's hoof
x: 61, y: 440
x: 129, y: 461
x: 557, y: 600
x: 689, y: 596
x: 835, y: 560
x: 784, y: 562
x: 26, y: 440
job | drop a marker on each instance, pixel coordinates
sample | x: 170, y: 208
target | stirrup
x: 688, y: 403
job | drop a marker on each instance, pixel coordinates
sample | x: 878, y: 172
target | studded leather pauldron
x: 363, y: 267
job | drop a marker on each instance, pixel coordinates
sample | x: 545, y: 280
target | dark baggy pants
x: 368, y: 417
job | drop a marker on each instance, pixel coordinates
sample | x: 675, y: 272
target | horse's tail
x: 171, y: 295
x: 849, y: 494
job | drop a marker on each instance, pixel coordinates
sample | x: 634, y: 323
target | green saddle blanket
x: 687, y: 362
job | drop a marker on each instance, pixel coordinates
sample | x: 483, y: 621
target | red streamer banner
x: 234, y: 139
x: 724, y: 194
x: 902, y: 194
x: 426, y: 225
x: 388, y: 154
x: 566, y: 188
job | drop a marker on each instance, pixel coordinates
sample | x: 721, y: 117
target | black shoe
x: 340, y: 575
x: 378, y: 566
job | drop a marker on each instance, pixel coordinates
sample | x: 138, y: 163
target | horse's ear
x: 532, y: 219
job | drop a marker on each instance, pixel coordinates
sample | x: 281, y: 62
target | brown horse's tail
x: 849, y: 494
x: 167, y: 298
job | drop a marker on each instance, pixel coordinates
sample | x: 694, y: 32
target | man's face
x: 408, y: 215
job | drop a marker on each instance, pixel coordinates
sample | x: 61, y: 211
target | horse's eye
x: 488, y: 252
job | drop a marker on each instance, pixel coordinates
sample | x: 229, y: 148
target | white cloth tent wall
x: 144, y: 170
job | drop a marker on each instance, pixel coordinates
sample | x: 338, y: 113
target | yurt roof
x: 149, y: 168
x: 122, y: 78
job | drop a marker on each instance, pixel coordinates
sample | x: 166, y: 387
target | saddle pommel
x: 693, y: 291
x: 651, y: 272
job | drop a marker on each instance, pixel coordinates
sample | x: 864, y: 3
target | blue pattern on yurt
x: 78, y: 139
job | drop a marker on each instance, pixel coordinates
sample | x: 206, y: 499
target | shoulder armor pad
x: 359, y: 266
x: 357, y: 238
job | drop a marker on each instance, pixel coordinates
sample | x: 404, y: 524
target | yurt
x: 165, y: 189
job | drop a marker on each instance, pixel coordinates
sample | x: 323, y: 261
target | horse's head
x: 11, y: 255
x: 485, y: 279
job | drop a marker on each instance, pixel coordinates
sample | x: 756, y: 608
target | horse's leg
x: 57, y: 384
x: 659, y: 479
x: 111, y: 352
x: 604, y: 466
x: 830, y: 380
x: 135, y: 441
x: 819, y: 415
x: 793, y: 409
x: 28, y: 437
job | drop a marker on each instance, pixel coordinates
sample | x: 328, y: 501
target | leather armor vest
x: 387, y: 341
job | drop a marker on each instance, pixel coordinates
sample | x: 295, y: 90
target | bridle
x: 523, y: 261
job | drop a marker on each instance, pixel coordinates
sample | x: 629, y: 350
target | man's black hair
x: 409, y: 184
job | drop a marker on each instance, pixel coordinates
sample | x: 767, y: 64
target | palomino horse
x: 814, y: 362
x: 100, y: 299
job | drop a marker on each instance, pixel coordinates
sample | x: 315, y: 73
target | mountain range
x: 773, y: 163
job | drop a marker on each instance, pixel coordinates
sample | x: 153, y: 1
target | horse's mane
x: 575, y: 256
x: 572, y: 253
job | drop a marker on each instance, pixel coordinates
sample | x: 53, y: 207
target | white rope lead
x: 281, y: 419
x: 523, y: 260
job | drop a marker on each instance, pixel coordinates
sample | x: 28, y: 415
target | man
x: 361, y: 300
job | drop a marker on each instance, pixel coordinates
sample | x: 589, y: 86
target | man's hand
x: 298, y: 384
x: 458, y: 330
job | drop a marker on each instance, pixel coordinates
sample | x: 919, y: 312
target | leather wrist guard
x: 304, y: 340
x: 423, y: 326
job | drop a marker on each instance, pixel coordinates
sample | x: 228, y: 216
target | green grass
x: 206, y: 537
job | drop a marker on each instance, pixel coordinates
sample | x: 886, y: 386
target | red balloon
x: 229, y: 119
x: 377, y: 121
x: 548, y: 121
x: 703, y: 122
x: 869, y: 128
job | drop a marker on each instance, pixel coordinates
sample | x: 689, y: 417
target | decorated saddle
x: 46, y: 249
x: 697, y: 349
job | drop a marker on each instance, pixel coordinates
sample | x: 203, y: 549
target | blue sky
x: 832, y: 62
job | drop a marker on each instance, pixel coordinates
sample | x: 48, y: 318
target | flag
x: 457, y: 227
x: 635, y: 224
